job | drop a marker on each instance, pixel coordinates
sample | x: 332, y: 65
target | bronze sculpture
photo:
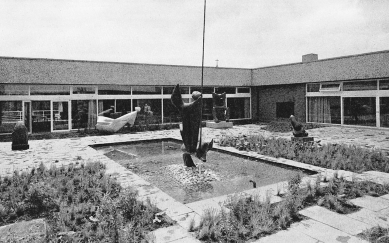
x: 220, y: 111
x: 190, y: 127
x: 298, y: 128
x: 20, y: 137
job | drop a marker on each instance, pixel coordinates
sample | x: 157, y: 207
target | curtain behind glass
x: 319, y: 109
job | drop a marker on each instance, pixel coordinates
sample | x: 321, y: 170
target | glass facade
x: 84, y: 114
x: 384, y: 111
x: 10, y: 113
x: 239, y: 107
x: 49, y: 90
x: 359, y: 111
x: 324, y: 110
x: 47, y: 108
x: 7, y: 89
x: 360, y: 103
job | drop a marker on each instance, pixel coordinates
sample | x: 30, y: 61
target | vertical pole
x: 202, y: 75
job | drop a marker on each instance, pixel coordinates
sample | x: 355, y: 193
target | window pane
x: 313, y: 87
x: 41, y: 117
x: 206, y: 90
x: 239, y: 107
x: 60, y: 115
x: 360, y: 111
x: 84, y: 114
x: 83, y: 90
x: 384, y: 111
x: 146, y: 90
x: 123, y: 106
x: 384, y: 84
x: 330, y: 87
x: 105, y: 105
x: 114, y: 90
x: 10, y: 113
x: 150, y: 110
x: 360, y: 85
x: 169, y: 89
x: 207, y: 109
x: 324, y: 110
x: 228, y: 90
x: 49, y: 90
x: 11, y: 89
x: 243, y: 90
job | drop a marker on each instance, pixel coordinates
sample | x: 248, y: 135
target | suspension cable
x: 202, y: 76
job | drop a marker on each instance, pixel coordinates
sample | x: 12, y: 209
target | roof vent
x: 310, y: 57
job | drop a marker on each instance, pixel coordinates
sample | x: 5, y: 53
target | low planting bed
x: 331, y: 156
x: 79, y: 204
x: 249, y: 218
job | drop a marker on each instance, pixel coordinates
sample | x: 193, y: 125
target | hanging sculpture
x: 191, y: 127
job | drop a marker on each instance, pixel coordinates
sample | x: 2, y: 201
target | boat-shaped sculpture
x: 110, y: 125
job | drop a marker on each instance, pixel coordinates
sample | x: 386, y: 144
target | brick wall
x: 267, y: 97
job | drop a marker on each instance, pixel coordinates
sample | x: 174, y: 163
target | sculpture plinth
x: 219, y: 125
x: 20, y: 137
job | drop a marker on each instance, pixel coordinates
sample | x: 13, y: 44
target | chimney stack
x: 310, y: 57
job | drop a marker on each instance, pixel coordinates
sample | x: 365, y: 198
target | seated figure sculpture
x: 298, y: 128
x: 20, y: 137
x: 110, y: 125
x: 220, y: 111
x: 190, y: 127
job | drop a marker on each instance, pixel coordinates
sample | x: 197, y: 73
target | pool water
x: 161, y: 163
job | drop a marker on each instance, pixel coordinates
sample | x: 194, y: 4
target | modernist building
x: 50, y: 95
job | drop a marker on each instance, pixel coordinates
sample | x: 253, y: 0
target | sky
x: 238, y: 33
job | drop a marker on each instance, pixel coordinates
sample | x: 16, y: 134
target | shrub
x: 336, y: 157
x: 82, y: 200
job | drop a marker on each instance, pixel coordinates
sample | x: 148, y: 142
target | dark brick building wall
x: 265, y: 99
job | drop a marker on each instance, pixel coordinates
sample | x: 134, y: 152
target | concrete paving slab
x: 335, y: 220
x: 324, y: 232
x: 169, y: 234
x: 287, y: 236
x: 208, y: 204
x: 372, y: 203
x: 386, y: 196
x: 185, y: 220
x: 166, y: 203
x: 370, y: 217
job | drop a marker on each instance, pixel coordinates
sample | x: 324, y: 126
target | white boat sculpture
x: 110, y: 125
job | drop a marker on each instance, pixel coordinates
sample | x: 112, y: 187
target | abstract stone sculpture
x: 20, y: 137
x: 109, y: 125
x: 220, y: 111
x: 298, y: 129
x: 190, y: 127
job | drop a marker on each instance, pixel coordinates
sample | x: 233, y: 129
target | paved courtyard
x: 321, y: 225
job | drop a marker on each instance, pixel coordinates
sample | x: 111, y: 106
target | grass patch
x: 250, y: 218
x: 81, y: 200
x: 336, y: 157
